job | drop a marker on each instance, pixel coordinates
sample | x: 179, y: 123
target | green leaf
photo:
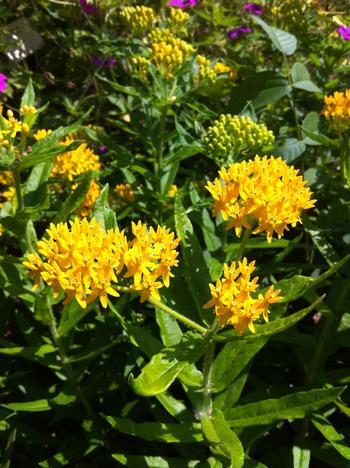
x: 301, y: 79
x: 30, y: 406
x: 320, y: 138
x: 74, y: 201
x: 332, y: 435
x: 195, y: 268
x: 301, y: 457
x: 260, y: 89
x: 319, y: 238
x: 157, y: 431
x: 123, y: 89
x: 102, y: 212
x: 218, y: 432
x: 307, y: 85
x: 28, y: 98
x: 165, y: 366
x: 71, y: 315
x: 169, y: 328
x: 183, y: 153
x: 231, y: 360
x: 291, y: 150
x: 282, y: 40
x: 310, y: 124
x: 168, y: 177
x: 294, y: 406
x: 144, y: 461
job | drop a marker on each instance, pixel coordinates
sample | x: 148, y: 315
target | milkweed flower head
x: 264, y: 194
x: 124, y: 192
x: 86, y: 262
x: 253, y: 8
x: 337, y: 108
x: 79, y: 258
x: 230, y: 134
x: 233, y: 300
x: 169, y: 56
x: 205, y: 73
x: 139, y: 19
x: 178, y: 17
x: 161, y: 35
x: 344, y: 32
x: 149, y: 257
x: 221, y: 67
x: 3, y: 82
x: 7, y: 190
x: 73, y: 163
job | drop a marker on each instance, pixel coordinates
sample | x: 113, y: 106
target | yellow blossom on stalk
x: 138, y: 19
x: 230, y: 134
x: 125, y: 192
x: 221, y: 67
x: 160, y: 35
x: 265, y: 192
x: 79, y: 258
x: 172, y: 191
x: 9, y: 127
x: 7, y: 191
x: 205, y: 72
x: 41, y: 134
x: 149, y: 258
x: 86, y: 207
x: 178, y: 17
x: 140, y: 65
x: 28, y: 110
x: 73, y: 163
x: 169, y: 56
x: 233, y: 301
x: 337, y: 105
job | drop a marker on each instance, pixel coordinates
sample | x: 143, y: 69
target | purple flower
x: 103, y: 149
x: 107, y: 62
x: 253, y: 8
x: 235, y: 32
x: 3, y: 84
x: 344, y: 31
x: 182, y: 3
x: 89, y: 7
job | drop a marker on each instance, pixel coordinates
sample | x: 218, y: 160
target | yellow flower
x: 172, y: 191
x: 86, y: 207
x: 81, y: 259
x: 160, y: 35
x: 205, y: 72
x: 125, y: 192
x: 41, y: 134
x: 72, y: 163
x: 28, y: 110
x: 7, y: 191
x: 9, y: 127
x: 264, y: 191
x: 221, y: 67
x: 2, y: 230
x: 139, y: 18
x: 233, y: 301
x: 337, y: 105
x: 178, y: 17
x: 149, y: 258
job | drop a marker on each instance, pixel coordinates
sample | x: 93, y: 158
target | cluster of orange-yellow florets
x: 265, y: 192
x: 337, y: 106
x: 10, y: 127
x: 73, y: 163
x: 7, y: 190
x: 87, y: 206
x: 125, y: 192
x: 233, y: 301
x: 84, y: 261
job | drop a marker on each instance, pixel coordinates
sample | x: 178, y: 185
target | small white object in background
x: 25, y: 38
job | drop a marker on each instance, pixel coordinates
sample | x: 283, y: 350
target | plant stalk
x: 17, y: 183
x: 243, y: 244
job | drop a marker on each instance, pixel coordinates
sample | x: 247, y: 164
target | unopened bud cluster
x: 169, y: 56
x: 138, y: 19
x: 205, y: 72
x: 233, y: 133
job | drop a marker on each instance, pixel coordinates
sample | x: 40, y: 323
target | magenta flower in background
x: 253, y: 8
x: 235, y: 32
x: 344, y: 31
x: 107, y: 62
x: 182, y: 3
x: 3, y: 84
x: 103, y: 149
x: 89, y: 7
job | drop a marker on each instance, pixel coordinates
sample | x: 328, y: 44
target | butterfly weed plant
x: 174, y: 238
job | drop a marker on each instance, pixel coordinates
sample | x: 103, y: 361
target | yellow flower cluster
x: 10, y: 127
x: 178, y: 17
x: 292, y: 15
x: 72, y: 163
x: 169, y: 56
x: 139, y: 66
x: 84, y: 261
x: 233, y: 301
x: 86, y: 207
x: 2, y: 230
x: 125, y: 192
x: 172, y: 191
x: 138, y: 19
x: 28, y: 110
x: 7, y: 189
x: 265, y: 191
x: 231, y: 134
x: 205, y: 72
x: 337, y: 105
x: 149, y: 258
x: 221, y: 67
x: 160, y: 35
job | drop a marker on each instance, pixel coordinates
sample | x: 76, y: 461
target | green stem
x: 174, y: 313
x: 160, y: 147
x: 17, y: 183
x: 345, y: 158
x: 243, y: 244
x: 67, y: 368
x: 290, y: 81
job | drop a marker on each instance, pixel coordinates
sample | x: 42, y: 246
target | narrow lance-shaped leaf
x: 332, y: 435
